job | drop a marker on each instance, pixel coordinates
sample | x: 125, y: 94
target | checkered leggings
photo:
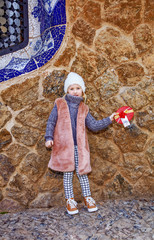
x: 68, y: 180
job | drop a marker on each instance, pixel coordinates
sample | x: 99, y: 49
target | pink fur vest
x: 62, y: 156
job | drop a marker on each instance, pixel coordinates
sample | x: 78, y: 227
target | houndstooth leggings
x: 68, y: 180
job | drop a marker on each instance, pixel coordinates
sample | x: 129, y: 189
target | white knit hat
x: 74, y: 78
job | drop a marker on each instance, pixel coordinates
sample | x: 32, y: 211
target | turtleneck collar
x: 73, y: 99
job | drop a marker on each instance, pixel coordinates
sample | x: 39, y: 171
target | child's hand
x: 112, y: 116
x: 49, y: 144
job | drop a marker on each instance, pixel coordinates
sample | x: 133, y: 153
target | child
x: 66, y: 132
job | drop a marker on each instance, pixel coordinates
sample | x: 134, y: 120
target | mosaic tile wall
x: 47, y: 24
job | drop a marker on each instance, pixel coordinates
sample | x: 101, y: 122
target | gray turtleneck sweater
x: 73, y: 104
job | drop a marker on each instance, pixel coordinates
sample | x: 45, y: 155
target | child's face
x: 75, y: 90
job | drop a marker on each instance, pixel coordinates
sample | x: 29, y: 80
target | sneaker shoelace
x: 72, y: 203
x: 90, y: 201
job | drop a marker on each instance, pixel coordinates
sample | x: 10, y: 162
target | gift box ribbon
x: 124, y: 113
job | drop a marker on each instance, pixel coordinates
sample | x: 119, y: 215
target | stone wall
x: 110, y: 44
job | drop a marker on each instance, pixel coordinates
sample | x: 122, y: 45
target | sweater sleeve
x: 51, y: 123
x: 96, y: 125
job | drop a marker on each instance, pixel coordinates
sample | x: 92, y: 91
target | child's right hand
x: 112, y: 116
x: 49, y: 144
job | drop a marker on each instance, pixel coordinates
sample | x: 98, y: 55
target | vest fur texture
x: 62, y: 156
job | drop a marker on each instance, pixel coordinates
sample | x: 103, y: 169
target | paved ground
x: 131, y: 220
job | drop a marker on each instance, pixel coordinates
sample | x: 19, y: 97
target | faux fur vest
x: 62, y: 156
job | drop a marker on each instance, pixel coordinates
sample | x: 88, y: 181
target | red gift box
x: 122, y: 112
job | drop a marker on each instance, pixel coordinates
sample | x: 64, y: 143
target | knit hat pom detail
x: 74, y: 78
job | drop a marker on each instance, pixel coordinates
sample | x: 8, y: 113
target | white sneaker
x: 71, y: 206
x: 90, y: 204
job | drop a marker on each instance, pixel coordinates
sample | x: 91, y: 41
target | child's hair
x: 84, y: 97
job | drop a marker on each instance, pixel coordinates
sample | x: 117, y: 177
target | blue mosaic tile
x: 51, y: 16
x: 6, y: 74
x: 30, y: 66
x: 57, y: 17
x: 48, y: 6
x: 17, y: 64
x: 57, y: 34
